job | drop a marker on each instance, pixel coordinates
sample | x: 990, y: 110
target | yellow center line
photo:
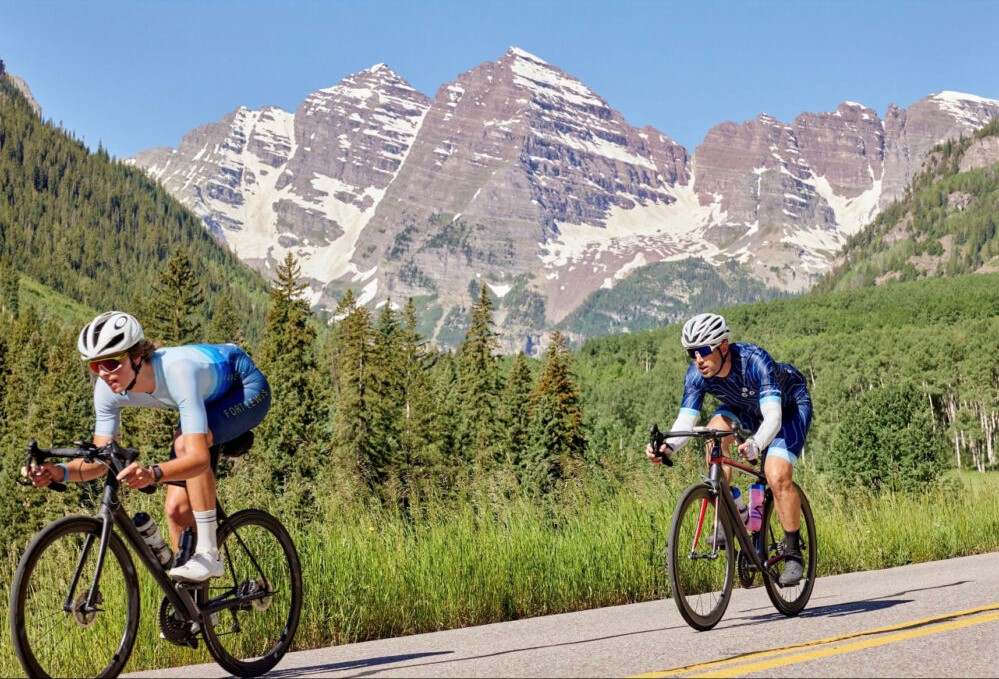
x: 798, y: 653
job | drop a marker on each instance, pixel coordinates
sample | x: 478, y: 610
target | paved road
x: 939, y: 619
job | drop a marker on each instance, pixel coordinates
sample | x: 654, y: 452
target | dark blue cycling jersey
x: 754, y: 380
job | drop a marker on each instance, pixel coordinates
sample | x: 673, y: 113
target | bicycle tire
x: 250, y: 638
x: 51, y: 642
x: 791, y: 600
x: 701, y: 579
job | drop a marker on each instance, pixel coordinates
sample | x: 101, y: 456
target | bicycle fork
x: 87, y: 607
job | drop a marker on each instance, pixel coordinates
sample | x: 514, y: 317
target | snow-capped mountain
x: 518, y: 176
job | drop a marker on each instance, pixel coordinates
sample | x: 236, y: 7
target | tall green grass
x: 370, y: 573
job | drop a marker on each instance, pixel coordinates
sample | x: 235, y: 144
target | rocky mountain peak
x: 22, y: 87
x: 518, y: 176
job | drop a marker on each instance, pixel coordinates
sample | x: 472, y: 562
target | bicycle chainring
x: 747, y: 571
x: 175, y: 629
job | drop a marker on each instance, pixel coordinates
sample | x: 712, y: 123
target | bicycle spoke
x: 51, y: 641
x: 701, y: 573
x: 790, y: 599
x: 253, y: 632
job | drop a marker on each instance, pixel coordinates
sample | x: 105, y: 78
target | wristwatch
x: 157, y: 473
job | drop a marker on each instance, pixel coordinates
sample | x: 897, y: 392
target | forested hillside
x: 928, y: 347
x: 664, y: 292
x: 945, y: 224
x: 97, y: 231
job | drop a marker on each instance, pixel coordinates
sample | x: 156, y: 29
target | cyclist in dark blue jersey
x: 219, y: 394
x: 757, y: 393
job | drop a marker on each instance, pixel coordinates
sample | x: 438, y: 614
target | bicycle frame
x: 112, y: 514
x: 721, y: 489
x: 753, y: 546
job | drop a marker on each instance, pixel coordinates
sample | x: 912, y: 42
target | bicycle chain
x: 747, y: 571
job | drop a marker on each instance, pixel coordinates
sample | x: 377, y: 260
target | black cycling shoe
x: 794, y: 569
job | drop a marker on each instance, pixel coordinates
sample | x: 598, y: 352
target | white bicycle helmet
x: 704, y: 330
x: 110, y: 333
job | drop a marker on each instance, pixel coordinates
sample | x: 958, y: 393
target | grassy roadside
x: 370, y: 574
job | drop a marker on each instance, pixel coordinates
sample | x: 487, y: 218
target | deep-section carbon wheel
x: 55, y: 633
x: 790, y: 600
x: 701, y: 576
x: 262, y: 593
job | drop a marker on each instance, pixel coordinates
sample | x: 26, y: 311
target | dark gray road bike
x: 706, y: 531
x: 74, y: 601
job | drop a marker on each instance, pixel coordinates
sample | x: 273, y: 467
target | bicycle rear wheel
x: 53, y: 633
x: 262, y: 593
x: 792, y: 599
x: 700, y: 577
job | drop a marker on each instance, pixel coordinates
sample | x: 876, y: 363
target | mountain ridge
x: 517, y: 175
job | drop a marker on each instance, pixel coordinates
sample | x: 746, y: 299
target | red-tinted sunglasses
x: 108, y: 365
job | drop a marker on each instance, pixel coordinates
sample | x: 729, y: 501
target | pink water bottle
x: 756, y: 493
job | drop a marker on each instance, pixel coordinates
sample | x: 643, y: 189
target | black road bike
x: 707, y: 529
x: 74, y: 601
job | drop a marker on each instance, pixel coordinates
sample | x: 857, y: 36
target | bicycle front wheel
x: 701, y: 575
x: 790, y: 599
x: 260, y: 595
x: 56, y: 632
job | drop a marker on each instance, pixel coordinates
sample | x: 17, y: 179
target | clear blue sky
x: 137, y: 74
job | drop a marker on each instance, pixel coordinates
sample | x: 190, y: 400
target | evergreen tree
x: 224, y: 327
x: 25, y: 510
x: 62, y: 411
x: 558, y: 442
x: 173, y: 312
x: 515, y: 412
x: 10, y: 285
x: 479, y: 386
x: 418, y: 432
x: 287, y: 446
x: 354, y: 441
x: 387, y: 371
x: 448, y: 447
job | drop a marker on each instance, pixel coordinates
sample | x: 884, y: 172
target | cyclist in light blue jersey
x: 219, y: 394
x: 756, y: 393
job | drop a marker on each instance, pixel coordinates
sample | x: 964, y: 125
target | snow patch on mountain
x: 852, y: 214
x: 962, y: 105
x: 662, y: 231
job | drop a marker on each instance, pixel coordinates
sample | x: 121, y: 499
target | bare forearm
x: 186, y: 467
x: 80, y: 470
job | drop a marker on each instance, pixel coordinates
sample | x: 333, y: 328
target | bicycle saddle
x: 238, y: 446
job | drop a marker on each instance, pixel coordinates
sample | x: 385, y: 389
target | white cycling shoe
x: 199, y: 568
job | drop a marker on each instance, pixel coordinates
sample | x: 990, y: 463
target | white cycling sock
x: 206, y: 523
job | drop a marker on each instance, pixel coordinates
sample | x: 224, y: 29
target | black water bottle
x: 185, y: 548
x: 151, y: 534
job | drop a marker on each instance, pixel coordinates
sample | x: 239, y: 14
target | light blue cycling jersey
x: 189, y: 379
x: 754, y: 379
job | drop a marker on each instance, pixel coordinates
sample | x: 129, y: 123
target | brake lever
x: 656, y: 439
x: 122, y: 457
x: 34, y: 458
